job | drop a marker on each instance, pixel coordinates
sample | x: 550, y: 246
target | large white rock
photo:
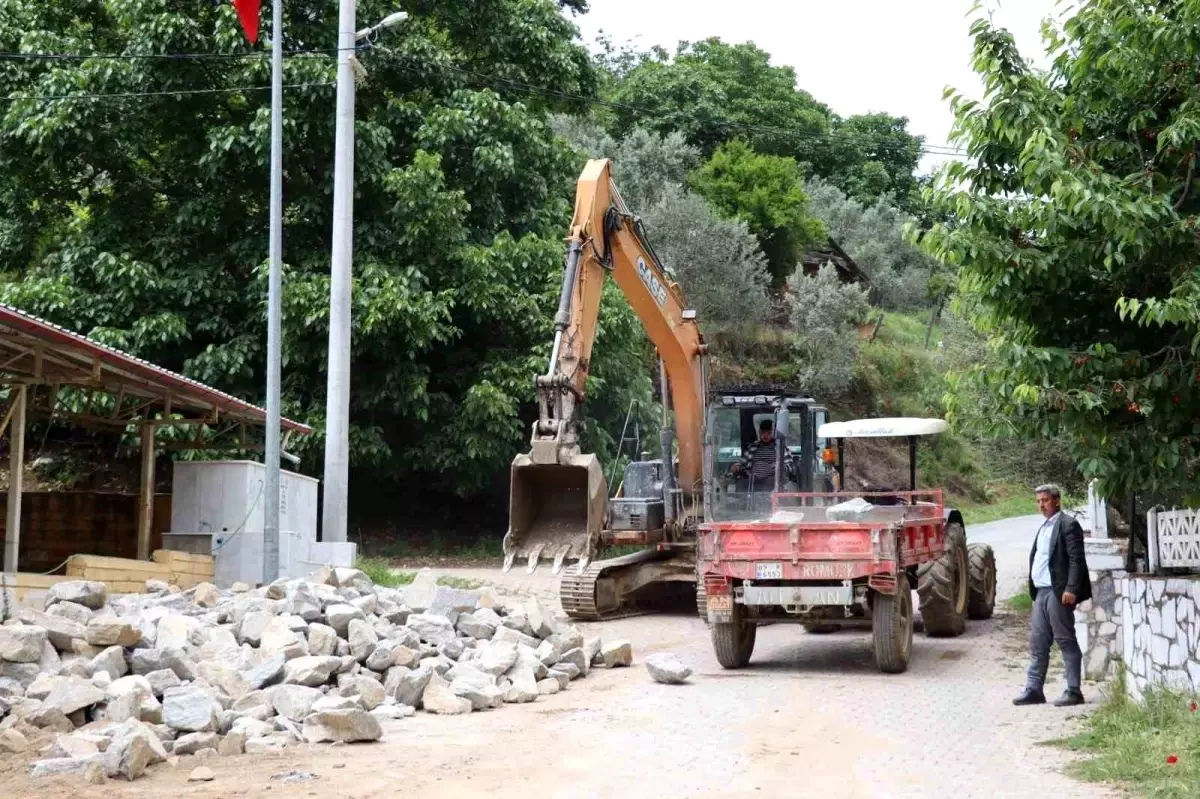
x: 438, y: 697
x: 190, y: 709
x: 497, y: 658
x: 133, y: 748
x: 618, y: 653
x: 346, y: 726
x: 277, y: 635
x: 302, y: 601
x: 431, y: 628
x: 370, y: 693
x: 294, y: 701
x: 666, y: 667
x: 22, y: 643
x: 60, y: 631
x: 339, y: 616
x: 322, y: 639
x: 111, y: 660
x: 524, y: 686
x: 266, y: 673
x: 474, y: 626
x: 174, y: 632
x: 88, y: 593
x: 311, y: 670
x: 362, y: 638
x: 72, y: 694
x: 113, y: 631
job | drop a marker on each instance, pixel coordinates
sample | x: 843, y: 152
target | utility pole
x: 337, y: 402
x: 274, y: 307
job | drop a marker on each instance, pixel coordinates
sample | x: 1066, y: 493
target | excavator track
x: 578, y: 593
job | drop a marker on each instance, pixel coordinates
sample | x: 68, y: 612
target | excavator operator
x: 759, y: 460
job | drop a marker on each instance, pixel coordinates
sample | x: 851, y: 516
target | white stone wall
x: 1160, y: 632
x: 1099, y: 625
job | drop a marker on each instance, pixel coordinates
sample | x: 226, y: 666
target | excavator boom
x: 558, y: 495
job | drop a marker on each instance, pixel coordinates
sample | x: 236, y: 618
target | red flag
x: 247, y: 11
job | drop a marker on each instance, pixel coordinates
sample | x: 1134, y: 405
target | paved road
x: 1011, y: 539
x: 811, y: 716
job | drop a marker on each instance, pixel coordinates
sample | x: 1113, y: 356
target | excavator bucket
x: 556, y: 510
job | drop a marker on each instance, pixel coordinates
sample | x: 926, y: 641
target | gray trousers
x: 1052, y: 622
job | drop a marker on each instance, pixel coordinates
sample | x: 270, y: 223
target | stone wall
x: 1099, y: 624
x: 1161, y: 632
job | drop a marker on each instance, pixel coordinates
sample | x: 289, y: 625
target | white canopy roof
x: 880, y: 428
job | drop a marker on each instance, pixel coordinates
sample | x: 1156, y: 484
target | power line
x: 13, y: 98
x: 495, y: 82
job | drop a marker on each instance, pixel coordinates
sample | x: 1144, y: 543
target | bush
x: 717, y: 262
x: 873, y: 236
x: 824, y: 317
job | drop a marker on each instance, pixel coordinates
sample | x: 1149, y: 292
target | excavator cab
x: 735, y: 420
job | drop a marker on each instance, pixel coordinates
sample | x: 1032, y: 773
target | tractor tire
x: 892, y: 630
x: 943, y: 587
x: 821, y: 629
x: 981, y: 564
x: 733, y: 642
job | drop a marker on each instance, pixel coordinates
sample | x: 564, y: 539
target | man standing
x: 1058, y: 581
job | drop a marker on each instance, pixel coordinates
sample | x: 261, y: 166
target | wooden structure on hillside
x: 50, y: 372
x: 850, y: 272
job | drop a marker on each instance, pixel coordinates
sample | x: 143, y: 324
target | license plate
x: 768, y: 571
x: 720, y: 602
x: 808, y: 595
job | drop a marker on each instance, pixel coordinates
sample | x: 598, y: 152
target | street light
x: 337, y: 401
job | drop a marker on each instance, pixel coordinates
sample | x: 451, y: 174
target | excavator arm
x: 558, y: 495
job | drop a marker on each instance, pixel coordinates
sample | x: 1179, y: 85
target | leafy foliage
x: 767, y: 193
x: 873, y: 236
x: 1075, y: 230
x: 717, y: 261
x: 712, y: 92
x: 825, y: 313
x: 142, y: 220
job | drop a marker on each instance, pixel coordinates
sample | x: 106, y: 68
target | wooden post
x: 16, y: 471
x: 146, y: 500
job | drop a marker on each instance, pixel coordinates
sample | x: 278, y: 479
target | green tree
x: 1074, y: 225
x: 873, y: 155
x: 712, y: 92
x: 142, y: 220
x: 767, y: 193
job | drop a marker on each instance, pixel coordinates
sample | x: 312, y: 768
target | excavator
x: 559, y: 505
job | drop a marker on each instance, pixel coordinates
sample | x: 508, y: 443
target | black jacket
x: 1068, y: 565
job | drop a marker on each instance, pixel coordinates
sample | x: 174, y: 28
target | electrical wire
x: 945, y: 150
x: 15, y: 98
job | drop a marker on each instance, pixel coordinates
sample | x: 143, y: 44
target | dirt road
x: 810, y: 717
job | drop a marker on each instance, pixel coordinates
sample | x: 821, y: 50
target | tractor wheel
x: 943, y: 587
x: 981, y: 564
x: 892, y: 630
x: 821, y: 629
x: 733, y: 642
x: 701, y: 599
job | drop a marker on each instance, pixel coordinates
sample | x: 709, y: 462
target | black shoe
x: 1069, y: 698
x: 1030, y: 697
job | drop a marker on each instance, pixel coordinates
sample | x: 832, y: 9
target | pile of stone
x: 128, y: 681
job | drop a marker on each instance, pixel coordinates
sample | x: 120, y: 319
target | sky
x: 856, y: 56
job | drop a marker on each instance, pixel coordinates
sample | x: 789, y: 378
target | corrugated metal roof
x: 184, y: 390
